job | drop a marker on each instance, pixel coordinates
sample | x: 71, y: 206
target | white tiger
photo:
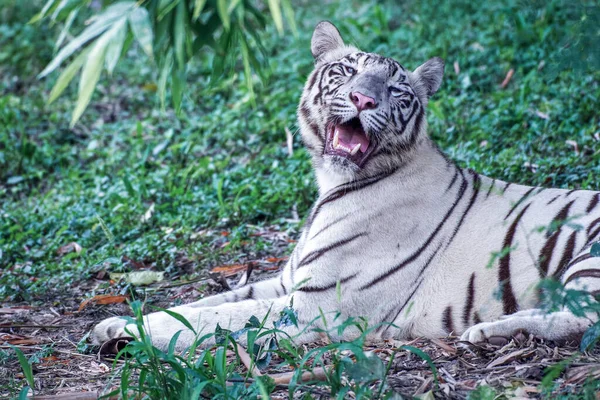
x: 399, y: 233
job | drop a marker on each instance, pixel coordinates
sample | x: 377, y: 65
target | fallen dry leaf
x: 276, y: 259
x: 542, y: 115
x: 507, y: 79
x: 456, y: 68
x: 139, y: 278
x: 103, y: 299
x: 515, y: 355
x: 20, y: 340
x: 574, y: 145
x: 69, y: 248
x: 230, y: 270
x: 289, y: 138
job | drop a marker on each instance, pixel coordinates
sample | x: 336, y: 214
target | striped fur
x: 407, y: 236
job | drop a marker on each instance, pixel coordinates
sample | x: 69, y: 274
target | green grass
x: 224, y: 164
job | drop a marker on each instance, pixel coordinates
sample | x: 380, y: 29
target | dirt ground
x: 51, y: 332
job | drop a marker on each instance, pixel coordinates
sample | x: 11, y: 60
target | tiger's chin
x: 347, y: 146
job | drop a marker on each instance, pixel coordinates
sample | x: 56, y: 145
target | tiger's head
x: 362, y: 113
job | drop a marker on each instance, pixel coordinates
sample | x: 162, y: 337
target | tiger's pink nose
x: 362, y: 102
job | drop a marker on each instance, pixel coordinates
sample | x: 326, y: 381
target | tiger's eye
x: 349, y: 70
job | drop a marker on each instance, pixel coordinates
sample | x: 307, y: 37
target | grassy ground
x: 219, y: 183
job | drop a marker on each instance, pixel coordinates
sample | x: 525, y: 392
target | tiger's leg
x: 582, y: 273
x: 269, y: 289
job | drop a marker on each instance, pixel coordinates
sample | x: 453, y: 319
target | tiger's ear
x: 430, y: 74
x: 325, y: 38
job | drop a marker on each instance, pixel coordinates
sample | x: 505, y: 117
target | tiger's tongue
x: 350, y: 137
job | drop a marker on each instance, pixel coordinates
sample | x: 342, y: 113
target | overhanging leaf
x: 67, y: 76
x: 113, y: 52
x: 103, y: 22
x: 275, y: 8
x: 179, y: 33
x: 141, y: 26
x: 91, y: 74
x: 198, y: 7
x: 223, y: 14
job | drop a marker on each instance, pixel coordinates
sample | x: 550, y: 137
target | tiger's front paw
x: 113, y: 328
x: 496, y: 333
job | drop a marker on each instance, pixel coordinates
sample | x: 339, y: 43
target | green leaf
x: 67, y: 76
x: 595, y: 250
x: 91, y: 74
x: 43, y: 11
x: 139, y: 20
x: 198, y: 7
x: 162, y: 80
x: 275, y: 8
x: 222, y: 10
x: 102, y: 22
x: 289, y: 15
x: 179, y: 33
x: 25, y: 366
x: 113, y: 52
x: 425, y: 357
x: 63, y: 33
x: 177, y: 85
x: 590, y: 337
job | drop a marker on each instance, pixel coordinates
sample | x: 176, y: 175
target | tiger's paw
x: 497, y: 333
x: 113, y: 328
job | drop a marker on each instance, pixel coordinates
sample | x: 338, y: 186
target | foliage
x: 170, y: 32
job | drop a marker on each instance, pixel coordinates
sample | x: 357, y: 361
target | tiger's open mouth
x: 348, y: 140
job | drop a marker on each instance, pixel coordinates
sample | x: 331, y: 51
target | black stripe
x: 518, y: 203
x: 493, y: 184
x: 282, y: 285
x: 329, y: 225
x: 342, y: 190
x: 447, y: 320
x: 470, y: 299
x: 452, y: 181
x: 476, y: 318
x: 584, y: 273
x: 315, y: 289
x: 592, y: 226
x: 593, y: 203
x: 545, y: 256
x: 553, y: 200
x: 314, y: 255
x: 570, y: 192
x: 505, y: 187
x: 579, y: 259
x: 387, y: 316
x: 250, y: 294
x: 509, y: 302
x: 420, y: 250
x: 567, y: 255
x: 476, y: 186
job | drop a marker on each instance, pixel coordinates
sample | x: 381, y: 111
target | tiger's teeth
x: 336, y: 139
x: 355, y: 149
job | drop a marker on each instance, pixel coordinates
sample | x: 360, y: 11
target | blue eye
x: 349, y: 70
x: 397, y: 92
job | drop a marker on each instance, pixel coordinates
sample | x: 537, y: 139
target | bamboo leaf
x: 222, y: 10
x: 63, y: 33
x: 288, y: 10
x: 115, y: 46
x: 162, y: 80
x: 103, y: 22
x: 141, y: 26
x: 91, y: 74
x: 177, y: 85
x: 275, y: 8
x: 25, y: 366
x: 67, y: 76
x: 179, y: 33
x: 42, y: 12
x: 198, y: 7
